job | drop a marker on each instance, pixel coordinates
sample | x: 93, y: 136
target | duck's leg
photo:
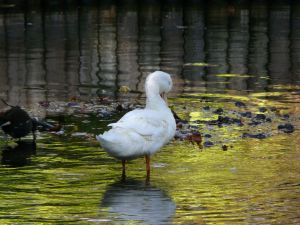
x: 147, y: 158
x: 123, y: 169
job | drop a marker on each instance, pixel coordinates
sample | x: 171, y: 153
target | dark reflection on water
x: 18, y: 155
x: 55, y: 50
x: 133, y: 200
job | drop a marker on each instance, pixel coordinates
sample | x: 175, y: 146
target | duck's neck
x: 154, y: 100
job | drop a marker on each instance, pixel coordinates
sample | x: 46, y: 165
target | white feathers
x: 143, y: 131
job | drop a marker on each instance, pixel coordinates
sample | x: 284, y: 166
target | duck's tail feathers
x: 105, y: 140
x: 100, y: 138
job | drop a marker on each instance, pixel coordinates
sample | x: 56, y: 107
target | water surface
x: 218, y: 53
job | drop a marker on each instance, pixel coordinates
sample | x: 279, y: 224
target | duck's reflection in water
x: 18, y: 155
x: 136, y: 201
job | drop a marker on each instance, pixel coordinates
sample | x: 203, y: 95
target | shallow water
x: 218, y: 53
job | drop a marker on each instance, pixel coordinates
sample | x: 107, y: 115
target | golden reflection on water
x: 248, y: 183
x: 70, y: 180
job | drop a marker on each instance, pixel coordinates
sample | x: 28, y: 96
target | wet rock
x: 104, y: 113
x: 246, y: 114
x: 219, y: 111
x: 208, y: 144
x: 240, y: 104
x: 262, y: 109
x: 73, y: 104
x: 225, y: 120
x: 269, y: 120
x: 260, y: 117
x: 254, y: 123
x: 286, y: 128
x: 257, y: 136
x: 207, y: 135
x: 79, y: 134
x: 286, y: 116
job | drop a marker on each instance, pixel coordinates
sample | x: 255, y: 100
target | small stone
x: 257, y: 136
x: 219, y: 111
x: 286, y: 128
x: 208, y: 144
x: 240, y: 104
x: 254, y: 123
x: 262, y: 109
x: 228, y: 121
x: 79, y: 134
x: 103, y: 113
x: 286, y: 116
x: 269, y: 120
x: 207, y: 135
x: 73, y: 104
x: 246, y: 114
x: 260, y: 117
x: 206, y: 108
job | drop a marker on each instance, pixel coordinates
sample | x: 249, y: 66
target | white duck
x: 142, y: 132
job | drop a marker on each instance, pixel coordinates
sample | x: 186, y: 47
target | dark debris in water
x: 225, y: 120
x: 286, y: 116
x: 256, y: 124
x: 208, y: 144
x: 259, y: 119
x: 257, y: 136
x: 286, y: 128
x: 239, y: 119
x: 219, y: 111
x: 206, y: 108
x: 224, y: 147
x: 246, y: 114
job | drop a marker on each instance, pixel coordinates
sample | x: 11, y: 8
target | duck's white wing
x: 143, y: 122
x: 137, y: 133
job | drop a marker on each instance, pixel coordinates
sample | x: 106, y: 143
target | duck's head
x: 160, y: 82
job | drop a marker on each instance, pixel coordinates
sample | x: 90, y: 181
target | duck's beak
x: 164, y: 97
